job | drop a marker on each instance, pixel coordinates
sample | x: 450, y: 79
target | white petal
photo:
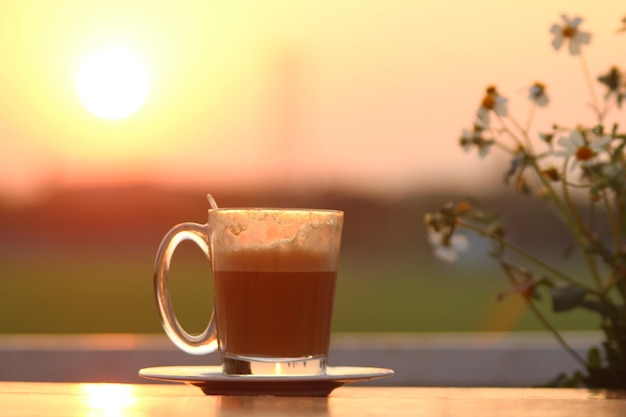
x: 569, y: 147
x: 542, y: 100
x: 557, y: 42
x: 556, y: 30
x: 564, y: 141
x: 574, y: 165
x: 612, y: 170
x: 446, y: 254
x: 434, y: 237
x: 604, y: 140
x: 500, y: 108
x: 600, y: 143
x: 574, y: 47
x: 460, y: 243
x: 577, y: 138
x: 483, y: 116
x: 575, y: 22
x: 480, y: 124
x: 582, y: 37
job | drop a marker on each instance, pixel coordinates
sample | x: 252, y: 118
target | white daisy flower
x: 447, y: 252
x: 468, y: 138
x: 547, y: 138
x: 471, y: 138
x: 584, y: 152
x: 613, y: 170
x: 492, y: 101
x: 537, y: 93
x: 570, y: 31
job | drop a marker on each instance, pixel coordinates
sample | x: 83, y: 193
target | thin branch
x: 531, y: 114
x: 555, y: 332
x: 579, y: 230
x: 592, y: 91
x: 614, y: 220
x: 541, y: 317
x: 524, y: 133
x: 545, y: 266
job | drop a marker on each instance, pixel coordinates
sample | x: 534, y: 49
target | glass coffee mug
x: 274, y: 274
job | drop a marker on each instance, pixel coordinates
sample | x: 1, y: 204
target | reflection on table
x: 124, y: 400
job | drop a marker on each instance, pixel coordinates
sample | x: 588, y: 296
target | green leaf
x: 563, y: 380
x: 595, y: 306
x: 566, y: 297
x: 618, y: 152
x: 518, y: 163
x: 593, y: 358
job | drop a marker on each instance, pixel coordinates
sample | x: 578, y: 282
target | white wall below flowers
x: 430, y: 359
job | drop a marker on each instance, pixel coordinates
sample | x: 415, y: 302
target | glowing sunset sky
x: 363, y: 93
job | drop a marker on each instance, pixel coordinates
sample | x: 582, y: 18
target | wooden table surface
x: 126, y: 400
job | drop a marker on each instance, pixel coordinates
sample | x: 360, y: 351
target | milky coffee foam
x: 274, y: 239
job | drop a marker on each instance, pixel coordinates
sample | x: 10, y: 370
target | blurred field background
x: 355, y: 105
x: 81, y: 261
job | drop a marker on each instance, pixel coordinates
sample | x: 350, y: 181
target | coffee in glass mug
x: 274, y: 274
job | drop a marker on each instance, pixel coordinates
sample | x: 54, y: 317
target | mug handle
x: 206, y: 342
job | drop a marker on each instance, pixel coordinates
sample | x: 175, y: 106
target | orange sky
x: 361, y: 93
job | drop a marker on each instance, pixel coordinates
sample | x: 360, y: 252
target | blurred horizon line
x: 300, y: 189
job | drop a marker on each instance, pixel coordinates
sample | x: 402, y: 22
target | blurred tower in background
x: 288, y: 85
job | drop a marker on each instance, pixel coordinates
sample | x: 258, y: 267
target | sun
x: 112, y: 83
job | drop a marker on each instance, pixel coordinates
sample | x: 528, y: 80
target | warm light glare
x: 109, y: 400
x: 112, y: 83
x: 253, y: 94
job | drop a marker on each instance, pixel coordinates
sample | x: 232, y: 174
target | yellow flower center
x: 551, y: 173
x: 489, y: 101
x: 584, y: 153
x: 569, y: 32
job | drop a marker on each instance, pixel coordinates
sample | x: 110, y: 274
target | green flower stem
x: 533, y: 158
x: 546, y: 323
x: 531, y: 115
x: 614, y: 216
x: 583, y: 233
x: 592, y: 91
x: 508, y: 131
x: 524, y: 133
x: 551, y: 191
x: 555, y: 332
x: 619, y: 221
x: 567, y: 208
x: 619, y: 208
x: 580, y: 230
x: 503, y: 147
x: 562, y: 207
x: 525, y: 142
x: 574, y: 185
x: 531, y: 258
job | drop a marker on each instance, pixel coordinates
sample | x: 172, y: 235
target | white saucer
x: 213, y: 382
